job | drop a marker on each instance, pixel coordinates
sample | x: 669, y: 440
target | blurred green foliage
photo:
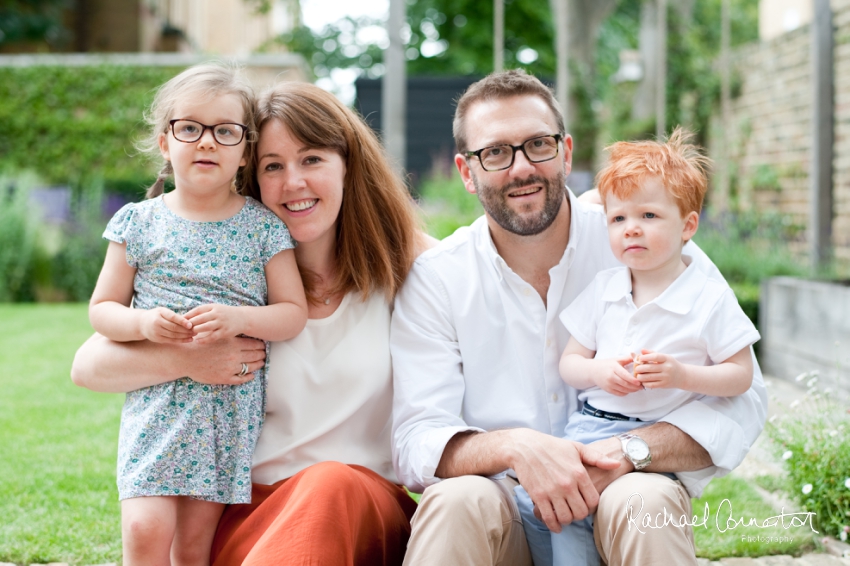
x: 24, y: 21
x: 43, y: 261
x: 750, y: 246
x: 445, y: 204
x: 76, y: 124
x: 693, y: 49
x: 463, y: 30
x: 811, y: 436
x: 17, y: 239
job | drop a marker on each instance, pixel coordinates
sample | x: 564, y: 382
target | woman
x: 322, y: 171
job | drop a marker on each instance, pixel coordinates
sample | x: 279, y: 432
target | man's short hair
x: 506, y: 84
x: 679, y: 164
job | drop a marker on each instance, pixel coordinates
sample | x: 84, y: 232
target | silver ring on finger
x: 244, y: 370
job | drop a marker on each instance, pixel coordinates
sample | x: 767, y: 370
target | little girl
x: 197, y: 264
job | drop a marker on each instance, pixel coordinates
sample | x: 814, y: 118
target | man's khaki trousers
x: 472, y: 520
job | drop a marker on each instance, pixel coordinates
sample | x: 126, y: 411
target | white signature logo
x: 663, y: 519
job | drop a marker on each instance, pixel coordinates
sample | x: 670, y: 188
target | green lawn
x: 58, y: 501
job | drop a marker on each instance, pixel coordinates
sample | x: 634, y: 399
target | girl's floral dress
x: 184, y: 437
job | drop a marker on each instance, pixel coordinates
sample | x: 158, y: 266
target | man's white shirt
x: 474, y: 348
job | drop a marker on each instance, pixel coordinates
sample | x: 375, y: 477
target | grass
x: 58, y: 500
x: 715, y: 540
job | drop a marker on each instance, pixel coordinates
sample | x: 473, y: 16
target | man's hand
x: 611, y: 448
x: 215, y: 322
x: 552, y: 471
x: 612, y: 376
x: 164, y: 326
x: 655, y: 370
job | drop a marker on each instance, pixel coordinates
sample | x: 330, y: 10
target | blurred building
x: 171, y: 33
x: 781, y: 16
x: 233, y: 27
x: 220, y: 27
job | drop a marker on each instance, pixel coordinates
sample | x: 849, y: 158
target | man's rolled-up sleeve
x: 427, y: 378
x: 725, y: 426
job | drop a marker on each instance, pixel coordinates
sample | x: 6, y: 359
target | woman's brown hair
x: 378, y: 227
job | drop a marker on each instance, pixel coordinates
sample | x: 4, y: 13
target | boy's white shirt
x: 475, y: 348
x: 697, y: 320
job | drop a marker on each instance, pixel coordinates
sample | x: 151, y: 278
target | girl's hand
x: 215, y: 322
x: 612, y: 376
x: 656, y: 370
x: 165, y: 326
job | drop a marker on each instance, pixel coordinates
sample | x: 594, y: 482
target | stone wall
x: 805, y: 327
x: 770, y: 137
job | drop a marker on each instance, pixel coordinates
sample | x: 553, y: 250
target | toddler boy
x: 652, y: 335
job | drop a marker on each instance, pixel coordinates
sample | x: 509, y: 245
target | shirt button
x: 555, y: 397
x: 526, y: 291
x: 548, y: 343
x: 628, y: 340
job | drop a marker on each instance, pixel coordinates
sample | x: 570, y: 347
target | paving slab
x: 778, y: 560
x: 822, y: 560
x: 737, y: 561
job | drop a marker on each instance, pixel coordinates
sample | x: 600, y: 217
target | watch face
x: 637, y: 449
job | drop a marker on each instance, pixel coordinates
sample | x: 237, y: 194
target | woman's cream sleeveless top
x: 330, y: 394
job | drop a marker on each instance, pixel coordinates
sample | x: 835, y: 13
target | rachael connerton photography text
x: 646, y: 521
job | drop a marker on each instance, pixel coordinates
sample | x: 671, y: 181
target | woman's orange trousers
x: 329, y: 514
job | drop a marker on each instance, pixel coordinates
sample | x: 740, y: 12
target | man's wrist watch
x: 636, y: 450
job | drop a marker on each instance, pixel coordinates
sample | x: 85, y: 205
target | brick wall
x: 770, y: 138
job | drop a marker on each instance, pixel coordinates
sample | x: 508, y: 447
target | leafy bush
x: 18, y: 230
x: 749, y: 246
x: 77, y: 124
x: 813, y: 440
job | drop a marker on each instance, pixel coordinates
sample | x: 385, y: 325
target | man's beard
x: 495, y: 203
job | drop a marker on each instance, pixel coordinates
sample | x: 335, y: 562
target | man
x: 476, y: 342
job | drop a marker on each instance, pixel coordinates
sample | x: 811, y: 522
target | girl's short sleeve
x: 123, y: 229
x: 276, y: 235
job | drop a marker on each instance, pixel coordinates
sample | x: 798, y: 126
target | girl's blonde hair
x: 378, y: 227
x: 198, y: 83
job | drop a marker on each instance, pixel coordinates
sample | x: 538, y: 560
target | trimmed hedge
x: 73, y: 125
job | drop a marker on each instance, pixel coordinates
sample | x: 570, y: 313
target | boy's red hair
x: 677, y: 162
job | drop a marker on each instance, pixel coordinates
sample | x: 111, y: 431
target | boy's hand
x: 165, y: 326
x: 656, y: 370
x: 214, y: 322
x: 612, y: 376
